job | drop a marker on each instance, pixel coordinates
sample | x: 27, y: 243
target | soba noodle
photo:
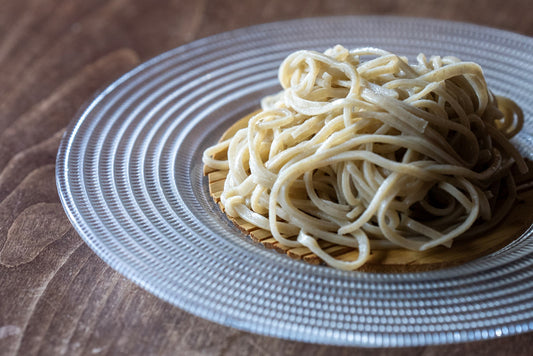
x: 363, y: 149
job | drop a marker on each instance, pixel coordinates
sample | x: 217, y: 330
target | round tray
x: 129, y: 174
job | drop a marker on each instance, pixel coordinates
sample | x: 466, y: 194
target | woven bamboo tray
x: 395, y: 260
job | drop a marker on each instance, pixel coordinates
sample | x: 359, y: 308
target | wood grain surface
x: 56, y: 296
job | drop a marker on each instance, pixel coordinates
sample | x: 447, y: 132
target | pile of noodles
x: 363, y: 149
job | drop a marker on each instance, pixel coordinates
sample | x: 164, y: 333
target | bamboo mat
x: 394, y: 260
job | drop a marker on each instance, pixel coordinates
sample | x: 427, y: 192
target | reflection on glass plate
x: 129, y: 173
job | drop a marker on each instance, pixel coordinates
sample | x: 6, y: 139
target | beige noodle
x: 363, y: 149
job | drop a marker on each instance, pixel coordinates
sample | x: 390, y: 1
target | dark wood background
x: 56, y: 296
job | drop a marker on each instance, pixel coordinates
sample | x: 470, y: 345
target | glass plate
x: 129, y: 174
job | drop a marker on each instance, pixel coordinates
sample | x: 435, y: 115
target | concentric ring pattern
x: 129, y: 174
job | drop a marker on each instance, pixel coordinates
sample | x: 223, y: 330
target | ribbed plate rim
x: 131, y: 272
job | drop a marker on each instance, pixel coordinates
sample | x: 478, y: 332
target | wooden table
x: 56, y: 296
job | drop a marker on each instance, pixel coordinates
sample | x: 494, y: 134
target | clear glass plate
x: 129, y: 174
